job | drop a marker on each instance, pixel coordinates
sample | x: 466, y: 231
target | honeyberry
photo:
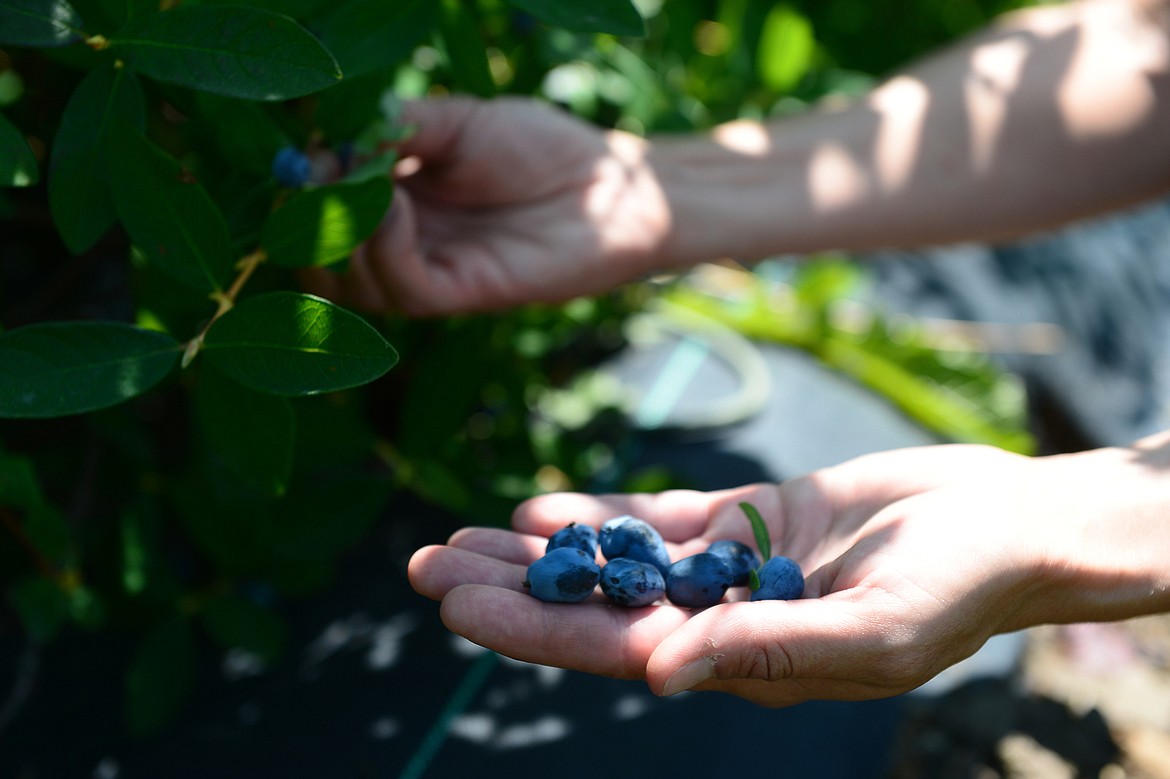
x: 631, y: 583
x: 739, y: 557
x: 563, y: 575
x: 698, y: 581
x: 780, y: 579
x: 291, y: 167
x: 574, y: 536
x: 634, y: 539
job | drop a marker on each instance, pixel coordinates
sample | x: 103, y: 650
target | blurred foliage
x: 144, y: 228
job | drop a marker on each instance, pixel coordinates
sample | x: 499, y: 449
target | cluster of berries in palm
x: 639, y: 572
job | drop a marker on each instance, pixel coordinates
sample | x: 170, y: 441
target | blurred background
x: 193, y: 626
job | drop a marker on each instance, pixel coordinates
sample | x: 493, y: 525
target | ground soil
x: 1085, y: 701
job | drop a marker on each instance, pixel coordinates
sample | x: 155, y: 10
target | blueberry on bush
x: 631, y: 583
x: 698, y: 581
x: 739, y: 556
x: 634, y: 539
x: 563, y: 575
x: 574, y: 536
x: 291, y: 167
x: 780, y: 579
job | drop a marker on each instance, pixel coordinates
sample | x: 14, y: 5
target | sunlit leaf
x: 786, y: 48
x: 324, y: 225
x: 292, y: 344
x: 60, y: 368
x: 18, y: 164
x: 38, y: 23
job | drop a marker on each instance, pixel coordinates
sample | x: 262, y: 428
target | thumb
x: 789, y: 650
x: 436, y: 124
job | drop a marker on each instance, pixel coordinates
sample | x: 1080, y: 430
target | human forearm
x: 1052, y: 115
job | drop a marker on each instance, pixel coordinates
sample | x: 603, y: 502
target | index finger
x: 590, y: 637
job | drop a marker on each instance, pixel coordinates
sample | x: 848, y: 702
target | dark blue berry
x: 563, y: 576
x: 574, y: 536
x: 780, y: 579
x: 291, y: 167
x: 634, y: 539
x: 698, y: 581
x: 631, y: 583
x: 740, y: 557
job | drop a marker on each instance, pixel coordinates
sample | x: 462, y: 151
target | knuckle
x: 768, y: 661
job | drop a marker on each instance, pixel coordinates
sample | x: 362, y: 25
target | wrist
x: 1104, y: 533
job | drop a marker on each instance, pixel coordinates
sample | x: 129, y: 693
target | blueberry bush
x: 186, y: 435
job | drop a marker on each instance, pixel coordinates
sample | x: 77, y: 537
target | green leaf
x: 786, y: 48
x: 324, y: 225
x: 60, y: 368
x: 42, y: 607
x: 168, y: 214
x: 18, y: 164
x: 616, y: 17
x: 79, y: 192
x: 252, y: 433
x: 234, y: 51
x: 373, y: 35
x: 160, y: 675
x: 235, y: 622
x: 753, y: 580
x: 324, y: 516
x: 759, y: 530
x: 463, y: 45
x: 38, y: 23
x: 347, y: 110
x: 291, y: 344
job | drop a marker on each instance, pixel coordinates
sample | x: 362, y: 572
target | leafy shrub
x: 185, y: 428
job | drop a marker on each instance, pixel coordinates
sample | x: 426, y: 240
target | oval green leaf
x: 61, y: 368
x: 616, y: 17
x: 18, y: 164
x: 372, y: 35
x: 235, y: 622
x: 787, y: 48
x: 38, y: 23
x: 160, y: 675
x: 292, y: 344
x: 167, y: 213
x: 234, y: 51
x: 78, y: 189
x: 251, y: 433
x: 463, y: 44
x: 322, y: 226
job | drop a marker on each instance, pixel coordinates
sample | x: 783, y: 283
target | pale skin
x: 913, y: 558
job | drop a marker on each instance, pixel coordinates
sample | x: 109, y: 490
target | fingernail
x: 689, y: 675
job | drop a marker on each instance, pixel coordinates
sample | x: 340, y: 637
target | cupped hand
x: 503, y: 202
x: 913, y: 558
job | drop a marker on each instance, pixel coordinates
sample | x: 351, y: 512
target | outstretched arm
x: 913, y: 559
x: 1053, y: 114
